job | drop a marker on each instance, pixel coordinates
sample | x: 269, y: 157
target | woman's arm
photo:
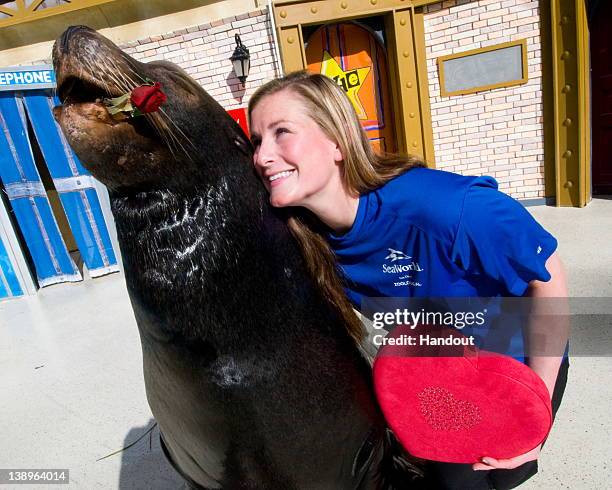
x: 548, y: 330
x: 545, y: 338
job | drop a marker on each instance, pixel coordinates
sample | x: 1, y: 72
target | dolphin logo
x: 396, y: 255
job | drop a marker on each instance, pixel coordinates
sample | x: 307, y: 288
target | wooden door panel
x: 352, y: 55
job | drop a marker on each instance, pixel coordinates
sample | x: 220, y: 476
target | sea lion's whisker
x: 128, y: 62
x: 108, y: 74
x: 129, y: 78
x: 117, y: 83
x: 169, y: 130
x: 90, y: 68
x: 173, y: 139
x: 176, y: 141
x: 122, y: 85
x: 165, y: 125
x: 137, y: 74
x: 187, y: 154
x: 177, y: 128
x: 82, y: 70
x: 156, y: 124
x: 102, y: 79
x: 169, y: 136
x: 160, y: 122
x: 123, y: 76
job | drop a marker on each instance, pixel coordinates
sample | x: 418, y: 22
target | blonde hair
x: 362, y: 170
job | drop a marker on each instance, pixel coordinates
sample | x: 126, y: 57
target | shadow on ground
x: 143, y: 465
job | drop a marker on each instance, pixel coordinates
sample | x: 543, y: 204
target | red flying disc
x: 457, y: 404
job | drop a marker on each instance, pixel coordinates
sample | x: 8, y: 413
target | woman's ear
x: 338, y: 154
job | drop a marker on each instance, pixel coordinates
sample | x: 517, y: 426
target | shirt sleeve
x: 497, y: 237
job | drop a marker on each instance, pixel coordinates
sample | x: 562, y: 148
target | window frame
x: 479, y: 88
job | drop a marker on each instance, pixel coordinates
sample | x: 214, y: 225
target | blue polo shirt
x: 430, y: 233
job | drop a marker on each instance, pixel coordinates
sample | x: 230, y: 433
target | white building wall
x: 495, y: 132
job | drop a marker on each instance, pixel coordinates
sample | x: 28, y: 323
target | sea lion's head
x: 188, y: 139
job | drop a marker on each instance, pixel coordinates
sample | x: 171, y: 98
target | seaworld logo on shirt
x: 401, y: 268
x: 398, y: 268
x: 396, y: 255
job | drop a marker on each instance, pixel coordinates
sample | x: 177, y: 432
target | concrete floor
x: 72, y: 387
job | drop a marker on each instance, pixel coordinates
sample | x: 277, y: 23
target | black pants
x: 455, y: 476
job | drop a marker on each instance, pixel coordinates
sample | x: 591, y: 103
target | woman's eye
x: 280, y: 131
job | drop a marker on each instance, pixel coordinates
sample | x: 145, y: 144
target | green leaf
x: 119, y: 104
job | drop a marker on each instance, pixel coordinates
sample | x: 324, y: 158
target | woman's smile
x: 279, y: 177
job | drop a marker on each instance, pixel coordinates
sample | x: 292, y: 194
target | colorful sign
x: 351, y: 81
x: 352, y: 56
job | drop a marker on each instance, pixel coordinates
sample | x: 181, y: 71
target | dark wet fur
x: 252, y: 377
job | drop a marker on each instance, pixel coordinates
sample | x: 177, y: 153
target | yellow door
x: 351, y: 55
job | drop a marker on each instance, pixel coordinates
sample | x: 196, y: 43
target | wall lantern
x: 241, y: 60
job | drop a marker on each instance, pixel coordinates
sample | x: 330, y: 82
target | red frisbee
x: 458, y: 404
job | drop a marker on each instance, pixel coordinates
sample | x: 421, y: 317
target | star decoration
x: 351, y: 81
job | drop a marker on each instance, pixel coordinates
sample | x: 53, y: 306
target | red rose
x: 148, y: 98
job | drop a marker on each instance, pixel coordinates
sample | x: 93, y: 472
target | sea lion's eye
x: 242, y: 144
x: 256, y: 142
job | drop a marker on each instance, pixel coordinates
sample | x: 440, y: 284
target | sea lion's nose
x: 65, y: 37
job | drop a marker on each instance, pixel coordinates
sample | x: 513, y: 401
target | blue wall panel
x: 28, y: 197
x: 9, y: 285
x: 74, y: 185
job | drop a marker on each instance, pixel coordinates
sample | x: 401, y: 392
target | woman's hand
x: 507, y: 464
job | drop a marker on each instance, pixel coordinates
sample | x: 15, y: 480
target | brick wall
x: 204, y: 52
x: 495, y: 132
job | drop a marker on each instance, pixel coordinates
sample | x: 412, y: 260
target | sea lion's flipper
x: 190, y: 484
x: 400, y: 470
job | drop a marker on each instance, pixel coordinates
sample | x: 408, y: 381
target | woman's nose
x: 264, y: 155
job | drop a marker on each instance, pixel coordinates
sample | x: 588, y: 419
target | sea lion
x: 250, y: 373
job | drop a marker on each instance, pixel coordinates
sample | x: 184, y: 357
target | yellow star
x: 350, y: 81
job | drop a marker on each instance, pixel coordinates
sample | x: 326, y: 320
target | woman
x: 350, y: 207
